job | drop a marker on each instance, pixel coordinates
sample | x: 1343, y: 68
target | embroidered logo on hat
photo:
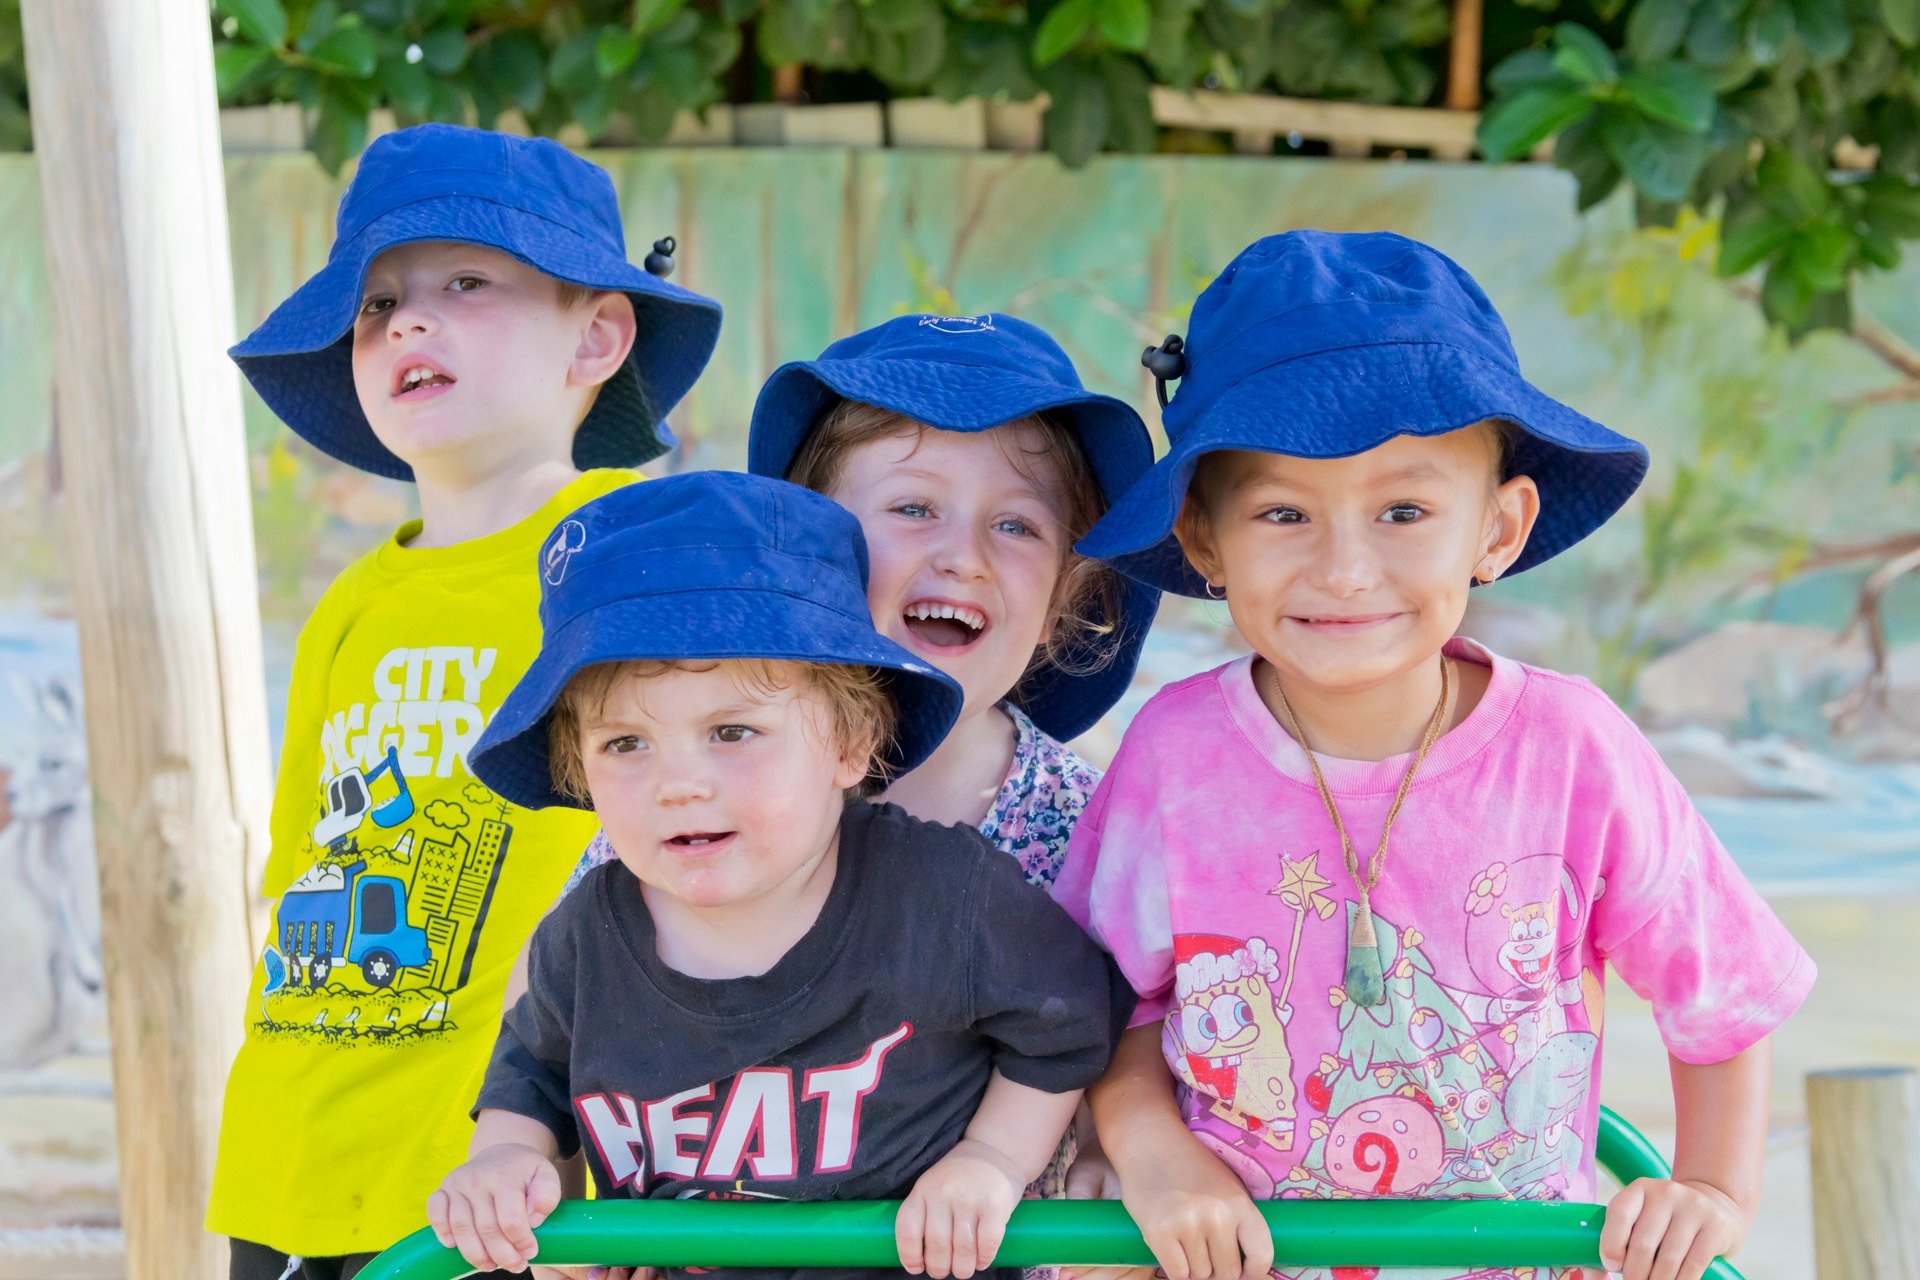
x: 567, y: 539
x: 958, y: 324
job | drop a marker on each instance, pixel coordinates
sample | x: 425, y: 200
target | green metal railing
x: 1386, y: 1233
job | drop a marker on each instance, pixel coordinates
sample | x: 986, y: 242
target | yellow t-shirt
x: 405, y: 886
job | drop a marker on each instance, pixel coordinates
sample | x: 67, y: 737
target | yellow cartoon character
x: 1229, y: 1033
x: 1521, y: 952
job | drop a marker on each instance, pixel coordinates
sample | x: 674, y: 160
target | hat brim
x: 1063, y: 700
x: 300, y: 359
x: 1340, y: 403
x: 511, y: 756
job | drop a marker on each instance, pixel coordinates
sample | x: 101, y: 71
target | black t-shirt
x: 844, y: 1071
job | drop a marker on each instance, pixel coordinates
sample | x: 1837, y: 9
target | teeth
x: 415, y: 376
x: 973, y: 619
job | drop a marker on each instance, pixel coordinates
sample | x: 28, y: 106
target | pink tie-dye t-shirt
x: 1542, y: 840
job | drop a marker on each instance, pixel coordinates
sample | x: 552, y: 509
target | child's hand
x: 1662, y: 1230
x: 489, y: 1206
x: 1197, y: 1218
x: 1092, y: 1178
x: 956, y: 1216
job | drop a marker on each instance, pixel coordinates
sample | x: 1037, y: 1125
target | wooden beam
x: 1463, y: 57
x: 1348, y: 127
x: 165, y: 592
x: 1864, y: 1128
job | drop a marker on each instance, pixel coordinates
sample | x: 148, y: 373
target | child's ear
x: 1516, y: 506
x: 854, y: 766
x: 610, y: 327
x: 1194, y: 532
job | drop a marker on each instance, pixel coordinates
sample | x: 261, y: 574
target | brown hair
x: 572, y: 295
x: 861, y: 708
x: 1086, y: 591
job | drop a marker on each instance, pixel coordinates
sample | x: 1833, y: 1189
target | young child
x: 780, y: 991
x: 1368, y: 879
x: 478, y: 329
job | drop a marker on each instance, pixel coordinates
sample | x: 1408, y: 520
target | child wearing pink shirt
x: 1367, y: 880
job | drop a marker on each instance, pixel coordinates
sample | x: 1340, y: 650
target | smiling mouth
x: 419, y: 377
x: 1346, y: 624
x: 940, y: 625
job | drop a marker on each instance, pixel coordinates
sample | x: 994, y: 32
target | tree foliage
x: 1735, y: 109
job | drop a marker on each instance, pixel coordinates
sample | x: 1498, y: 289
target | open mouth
x: 419, y: 377
x: 700, y: 841
x: 941, y: 624
x: 1532, y: 970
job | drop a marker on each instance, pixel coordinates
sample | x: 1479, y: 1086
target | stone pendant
x: 1365, y: 982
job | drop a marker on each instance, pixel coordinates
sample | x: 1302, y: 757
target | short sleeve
x: 1682, y: 925
x: 1114, y: 885
x: 532, y: 1058
x: 1040, y: 990
x: 599, y: 853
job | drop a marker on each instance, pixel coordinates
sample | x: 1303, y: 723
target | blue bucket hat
x: 529, y: 197
x: 1319, y: 344
x: 707, y: 564
x: 974, y: 373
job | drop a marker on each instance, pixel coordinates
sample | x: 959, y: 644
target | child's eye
x: 1015, y: 525
x: 620, y: 746
x: 1403, y: 513
x: 466, y: 284
x: 915, y: 510
x: 735, y: 732
x: 374, y: 306
x: 1283, y: 515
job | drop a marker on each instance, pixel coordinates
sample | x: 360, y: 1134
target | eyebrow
x: 1026, y: 489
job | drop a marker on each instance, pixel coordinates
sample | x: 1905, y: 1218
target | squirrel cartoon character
x: 1528, y: 959
x: 1229, y: 1035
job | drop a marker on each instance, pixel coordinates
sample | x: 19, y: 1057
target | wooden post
x: 148, y: 410
x: 1463, y: 57
x: 1865, y: 1134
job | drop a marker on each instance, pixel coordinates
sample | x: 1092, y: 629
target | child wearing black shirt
x: 775, y: 993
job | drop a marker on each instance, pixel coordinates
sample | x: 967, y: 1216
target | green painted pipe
x: 1457, y: 1233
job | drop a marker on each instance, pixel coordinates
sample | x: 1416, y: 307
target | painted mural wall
x: 1748, y: 607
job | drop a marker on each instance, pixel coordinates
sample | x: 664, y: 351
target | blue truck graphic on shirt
x: 337, y: 915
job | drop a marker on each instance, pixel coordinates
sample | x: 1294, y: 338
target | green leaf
x: 1077, y: 116
x: 574, y: 69
x: 651, y: 15
x: 1791, y: 187
x: 1821, y: 254
x: 512, y: 66
x: 1785, y: 298
x: 615, y: 51
x: 444, y: 51
x: 237, y: 67
x: 261, y: 21
x: 1882, y: 251
x: 1903, y: 20
x: 1659, y: 160
x: 1655, y: 28
x: 1713, y: 39
x: 339, y: 133
x: 1824, y: 28
x: 1750, y: 236
x: 1130, y: 125
x: 408, y: 86
x: 1583, y: 56
x: 1510, y: 129
x: 1671, y: 92
x: 1892, y: 207
x: 1527, y: 69
x: 1581, y: 152
x: 1768, y: 29
x: 1060, y: 31
x: 1124, y: 23
x: 349, y: 51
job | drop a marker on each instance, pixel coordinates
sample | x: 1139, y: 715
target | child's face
x: 966, y: 548
x: 466, y: 359
x: 1346, y: 573
x: 713, y: 790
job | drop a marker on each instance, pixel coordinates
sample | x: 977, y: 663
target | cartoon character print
x: 1516, y: 952
x: 1227, y: 1034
